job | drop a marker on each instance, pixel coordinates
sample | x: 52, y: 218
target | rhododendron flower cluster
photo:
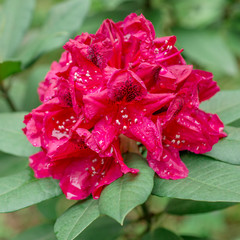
x: 121, y: 81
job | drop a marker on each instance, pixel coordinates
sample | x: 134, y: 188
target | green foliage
x: 41, y: 232
x: 11, y: 164
x: 103, y: 228
x: 208, y: 49
x: 8, y: 68
x: 64, y: 19
x: 228, y: 149
x: 14, y: 24
x: 226, y: 104
x: 12, y: 139
x: 76, y: 219
x: 194, y: 13
x: 127, y: 192
x: 208, y: 180
x: 193, y: 238
x: 182, y: 207
x: 209, y: 33
x: 161, y: 233
x: 49, y: 208
x: 23, y: 189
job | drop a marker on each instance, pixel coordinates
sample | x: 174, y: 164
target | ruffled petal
x: 96, y: 105
x: 152, y: 102
x: 166, y: 53
x: 35, y: 121
x: 206, y: 86
x: 39, y: 162
x: 145, y: 131
x: 90, y: 50
x: 87, y: 174
x: 193, y: 130
x: 138, y: 26
x: 119, y: 159
x: 113, y: 33
x: 105, y: 132
x: 170, y: 165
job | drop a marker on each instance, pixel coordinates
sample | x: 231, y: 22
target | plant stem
x: 7, y: 97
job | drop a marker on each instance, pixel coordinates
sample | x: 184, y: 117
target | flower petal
x: 193, y: 130
x: 206, y: 86
x: 170, y: 165
x: 39, y: 162
x: 145, y: 131
x: 87, y: 174
x: 126, y: 86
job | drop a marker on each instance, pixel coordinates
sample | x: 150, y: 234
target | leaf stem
x: 7, y: 97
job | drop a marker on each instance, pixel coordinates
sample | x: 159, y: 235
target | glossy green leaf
x: 76, y: 219
x: 103, y: 228
x: 42, y: 232
x: 227, y: 149
x: 182, y: 207
x: 64, y: 19
x: 14, y: 21
x: 8, y: 68
x: 226, y: 104
x: 161, y: 233
x: 11, y: 164
x: 129, y: 191
x: 12, y: 139
x: 207, y: 48
x: 23, y: 189
x: 208, y: 180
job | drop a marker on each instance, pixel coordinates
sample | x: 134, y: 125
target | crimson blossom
x: 121, y: 81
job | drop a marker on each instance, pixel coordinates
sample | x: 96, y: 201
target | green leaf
x: 64, y: 19
x: 48, y: 208
x: 103, y: 228
x: 42, y: 232
x: 233, y: 42
x: 226, y: 104
x: 208, y: 180
x: 93, y: 21
x: 12, y: 139
x: 202, y: 224
x: 227, y: 149
x: 8, y: 68
x: 76, y: 219
x: 35, y: 77
x: 202, y: 13
x: 193, y: 238
x: 23, y: 189
x: 207, y: 48
x: 15, y: 19
x: 161, y: 233
x: 11, y: 164
x: 182, y: 207
x: 129, y: 191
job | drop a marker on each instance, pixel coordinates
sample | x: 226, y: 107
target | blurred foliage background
x: 209, y: 32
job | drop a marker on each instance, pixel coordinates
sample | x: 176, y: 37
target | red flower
x: 120, y: 81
